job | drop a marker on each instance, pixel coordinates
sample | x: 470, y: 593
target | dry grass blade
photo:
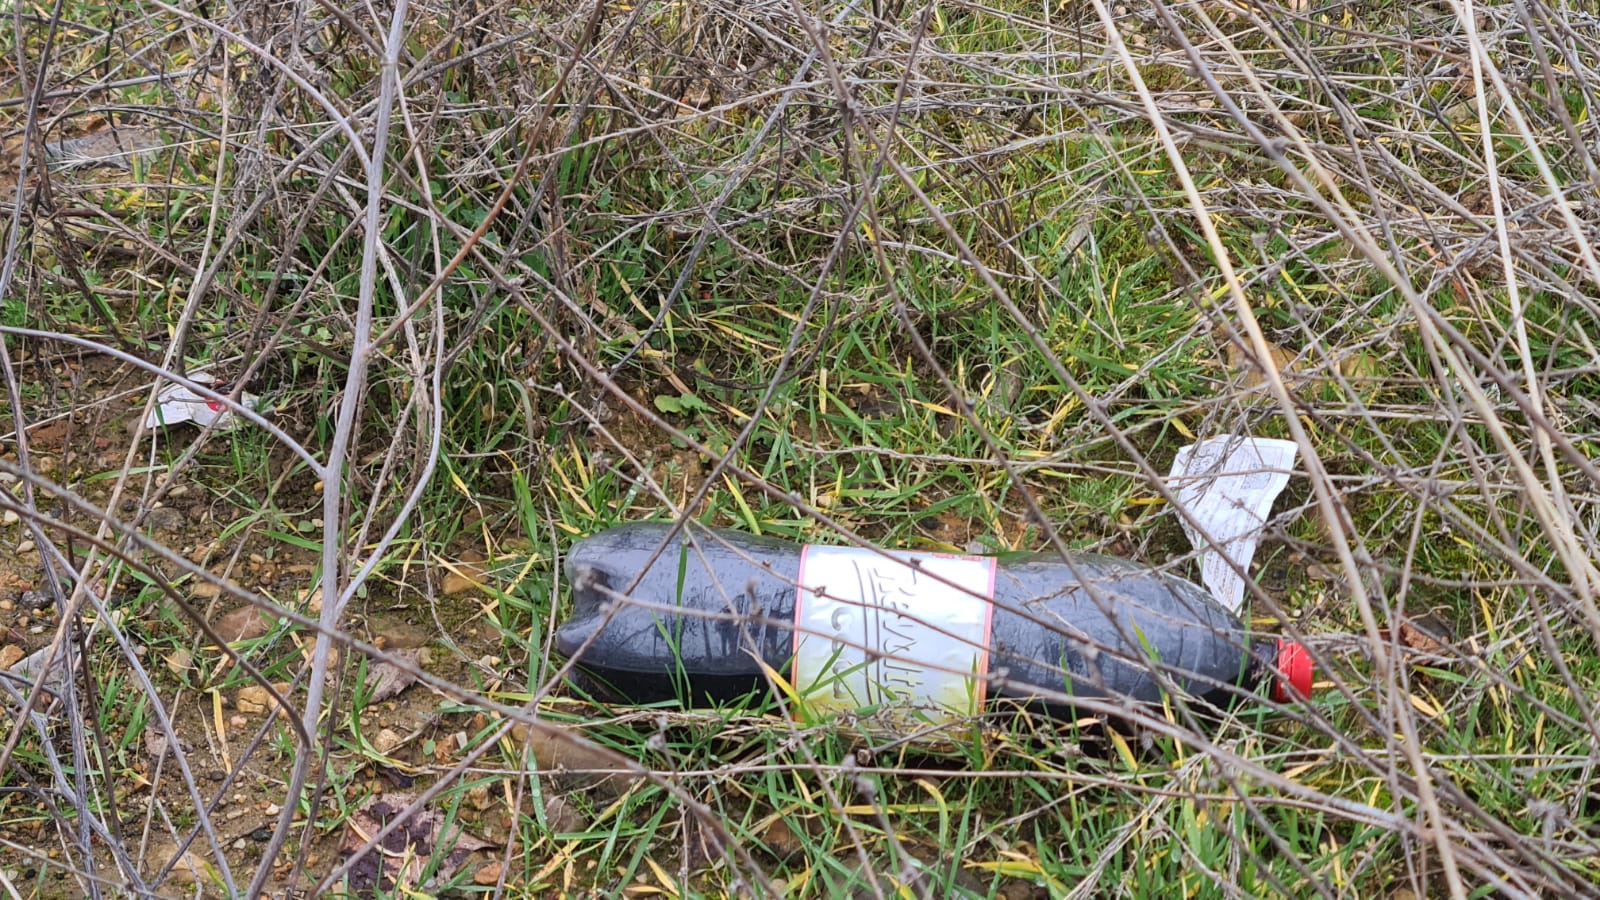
x: 960, y: 277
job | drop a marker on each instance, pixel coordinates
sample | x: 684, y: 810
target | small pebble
x: 386, y: 740
x: 488, y: 873
x: 26, y: 547
x: 9, y: 517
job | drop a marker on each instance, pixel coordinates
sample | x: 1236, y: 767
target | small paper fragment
x: 176, y: 404
x: 1226, y: 486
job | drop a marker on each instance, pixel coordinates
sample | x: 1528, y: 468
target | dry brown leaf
x: 780, y: 840
x: 243, y: 624
x: 463, y: 576
x: 401, y: 856
x: 394, y: 632
x: 1252, y: 375
x: 388, y: 677
x: 554, y: 748
x: 488, y: 873
x: 191, y: 869
x: 254, y: 698
x: 179, y: 661
x: 557, y: 751
x: 560, y: 817
x: 49, y: 435
x: 1425, y: 633
x: 1360, y: 365
x: 155, y: 743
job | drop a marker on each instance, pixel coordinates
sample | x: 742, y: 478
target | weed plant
x: 956, y: 277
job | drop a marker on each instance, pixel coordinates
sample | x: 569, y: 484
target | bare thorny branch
x: 608, y: 180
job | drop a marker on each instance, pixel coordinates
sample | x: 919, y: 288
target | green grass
x: 893, y: 395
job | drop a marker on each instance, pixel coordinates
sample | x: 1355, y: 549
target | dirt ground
x: 223, y: 720
x: 236, y: 747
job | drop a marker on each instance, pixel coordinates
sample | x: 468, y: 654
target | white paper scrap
x: 1227, y: 485
x: 176, y: 403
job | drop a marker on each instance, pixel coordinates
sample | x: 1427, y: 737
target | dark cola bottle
x: 711, y: 615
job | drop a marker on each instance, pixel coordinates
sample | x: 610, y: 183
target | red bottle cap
x: 1294, y: 673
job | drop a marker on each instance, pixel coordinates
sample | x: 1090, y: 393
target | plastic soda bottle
x: 711, y: 615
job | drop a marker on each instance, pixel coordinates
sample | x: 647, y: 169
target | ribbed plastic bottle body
x: 736, y: 591
x: 1098, y: 626
x: 1086, y: 627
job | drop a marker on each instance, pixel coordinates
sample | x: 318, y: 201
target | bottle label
x: 903, y: 634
